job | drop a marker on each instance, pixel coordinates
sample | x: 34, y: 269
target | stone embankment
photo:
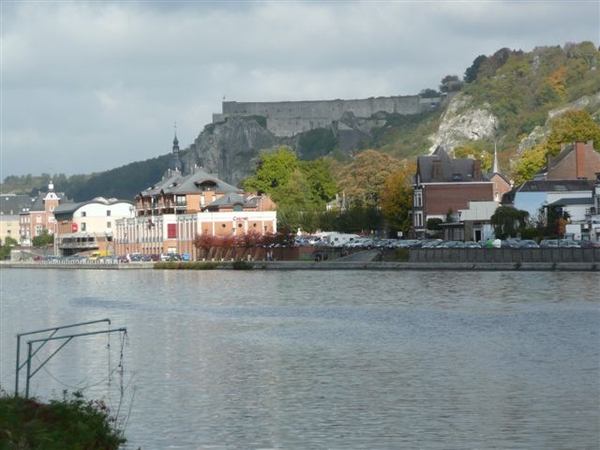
x: 367, y: 260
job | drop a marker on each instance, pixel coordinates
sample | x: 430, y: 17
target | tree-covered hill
x: 124, y: 182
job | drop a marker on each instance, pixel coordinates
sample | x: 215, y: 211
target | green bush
x: 71, y: 423
x: 186, y: 265
x: 242, y: 265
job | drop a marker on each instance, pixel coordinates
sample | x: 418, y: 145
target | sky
x: 89, y: 86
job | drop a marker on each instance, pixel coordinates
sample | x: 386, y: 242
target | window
x: 108, y: 225
x: 456, y: 177
x: 83, y: 226
x: 108, y: 212
x: 418, y: 198
x: 171, y: 231
x: 38, y: 219
x: 83, y: 214
x: 202, y: 200
x: 418, y: 219
x: 51, y: 208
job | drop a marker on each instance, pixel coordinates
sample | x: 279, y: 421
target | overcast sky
x: 91, y: 86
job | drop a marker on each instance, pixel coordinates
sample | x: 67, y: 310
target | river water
x: 321, y: 359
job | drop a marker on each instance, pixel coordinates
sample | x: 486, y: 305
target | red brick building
x: 575, y: 161
x: 444, y: 186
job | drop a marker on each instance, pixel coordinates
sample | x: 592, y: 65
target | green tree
x: 43, y: 240
x: 509, y: 221
x: 322, y: 186
x: 272, y: 170
x: 471, y: 72
x: 6, y: 246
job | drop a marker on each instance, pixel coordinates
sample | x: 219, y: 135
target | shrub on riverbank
x: 186, y: 265
x: 71, y: 423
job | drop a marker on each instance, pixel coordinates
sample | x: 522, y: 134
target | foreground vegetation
x: 71, y: 423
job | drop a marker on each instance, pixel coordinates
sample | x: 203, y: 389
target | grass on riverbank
x: 71, y: 423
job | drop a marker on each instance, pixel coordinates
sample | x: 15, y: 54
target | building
x: 576, y: 161
x: 169, y: 215
x: 88, y: 226
x: 444, y: 186
x: 40, y: 216
x: 568, y: 183
x: 11, y: 206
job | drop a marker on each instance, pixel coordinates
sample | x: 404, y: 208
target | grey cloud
x: 89, y: 86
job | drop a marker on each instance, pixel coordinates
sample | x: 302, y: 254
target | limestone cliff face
x: 228, y: 149
x: 463, y: 122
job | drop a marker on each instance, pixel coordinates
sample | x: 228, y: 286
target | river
x: 321, y: 359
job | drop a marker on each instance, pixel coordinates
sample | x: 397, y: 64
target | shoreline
x: 330, y: 265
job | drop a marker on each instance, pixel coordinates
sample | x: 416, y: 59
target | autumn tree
x: 472, y: 151
x: 396, y: 198
x: 363, y: 180
x: 571, y: 126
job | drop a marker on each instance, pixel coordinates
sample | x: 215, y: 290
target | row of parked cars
x: 111, y: 259
x: 371, y: 243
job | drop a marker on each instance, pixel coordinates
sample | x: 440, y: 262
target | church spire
x: 496, y: 166
x: 176, y: 163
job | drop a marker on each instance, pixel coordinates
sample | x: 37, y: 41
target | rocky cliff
x: 229, y: 149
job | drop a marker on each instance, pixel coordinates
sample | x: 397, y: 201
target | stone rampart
x: 290, y: 118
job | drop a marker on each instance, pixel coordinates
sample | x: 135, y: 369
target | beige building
x: 89, y: 226
x: 11, y: 206
x: 40, y: 216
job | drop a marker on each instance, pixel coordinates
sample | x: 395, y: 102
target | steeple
x: 496, y: 166
x: 176, y: 163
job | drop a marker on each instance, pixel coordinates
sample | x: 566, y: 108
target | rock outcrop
x: 462, y: 123
x: 228, y: 149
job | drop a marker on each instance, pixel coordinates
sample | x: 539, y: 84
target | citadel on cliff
x: 290, y: 118
x: 229, y: 146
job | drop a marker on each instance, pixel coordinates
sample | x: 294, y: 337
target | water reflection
x: 330, y: 359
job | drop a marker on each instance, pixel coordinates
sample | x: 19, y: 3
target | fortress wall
x: 289, y: 118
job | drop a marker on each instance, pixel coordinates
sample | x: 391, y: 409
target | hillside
x: 505, y: 99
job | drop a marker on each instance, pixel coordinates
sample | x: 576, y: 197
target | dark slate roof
x: 38, y: 202
x: 574, y: 201
x: 229, y: 199
x: 14, y: 204
x: 450, y: 167
x: 556, y: 185
x: 176, y: 183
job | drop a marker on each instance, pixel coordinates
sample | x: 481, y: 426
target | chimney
x: 548, y: 161
x: 437, y: 170
x: 476, y: 170
x: 580, y: 159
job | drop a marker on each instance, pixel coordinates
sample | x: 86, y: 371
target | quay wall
x: 505, y: 255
